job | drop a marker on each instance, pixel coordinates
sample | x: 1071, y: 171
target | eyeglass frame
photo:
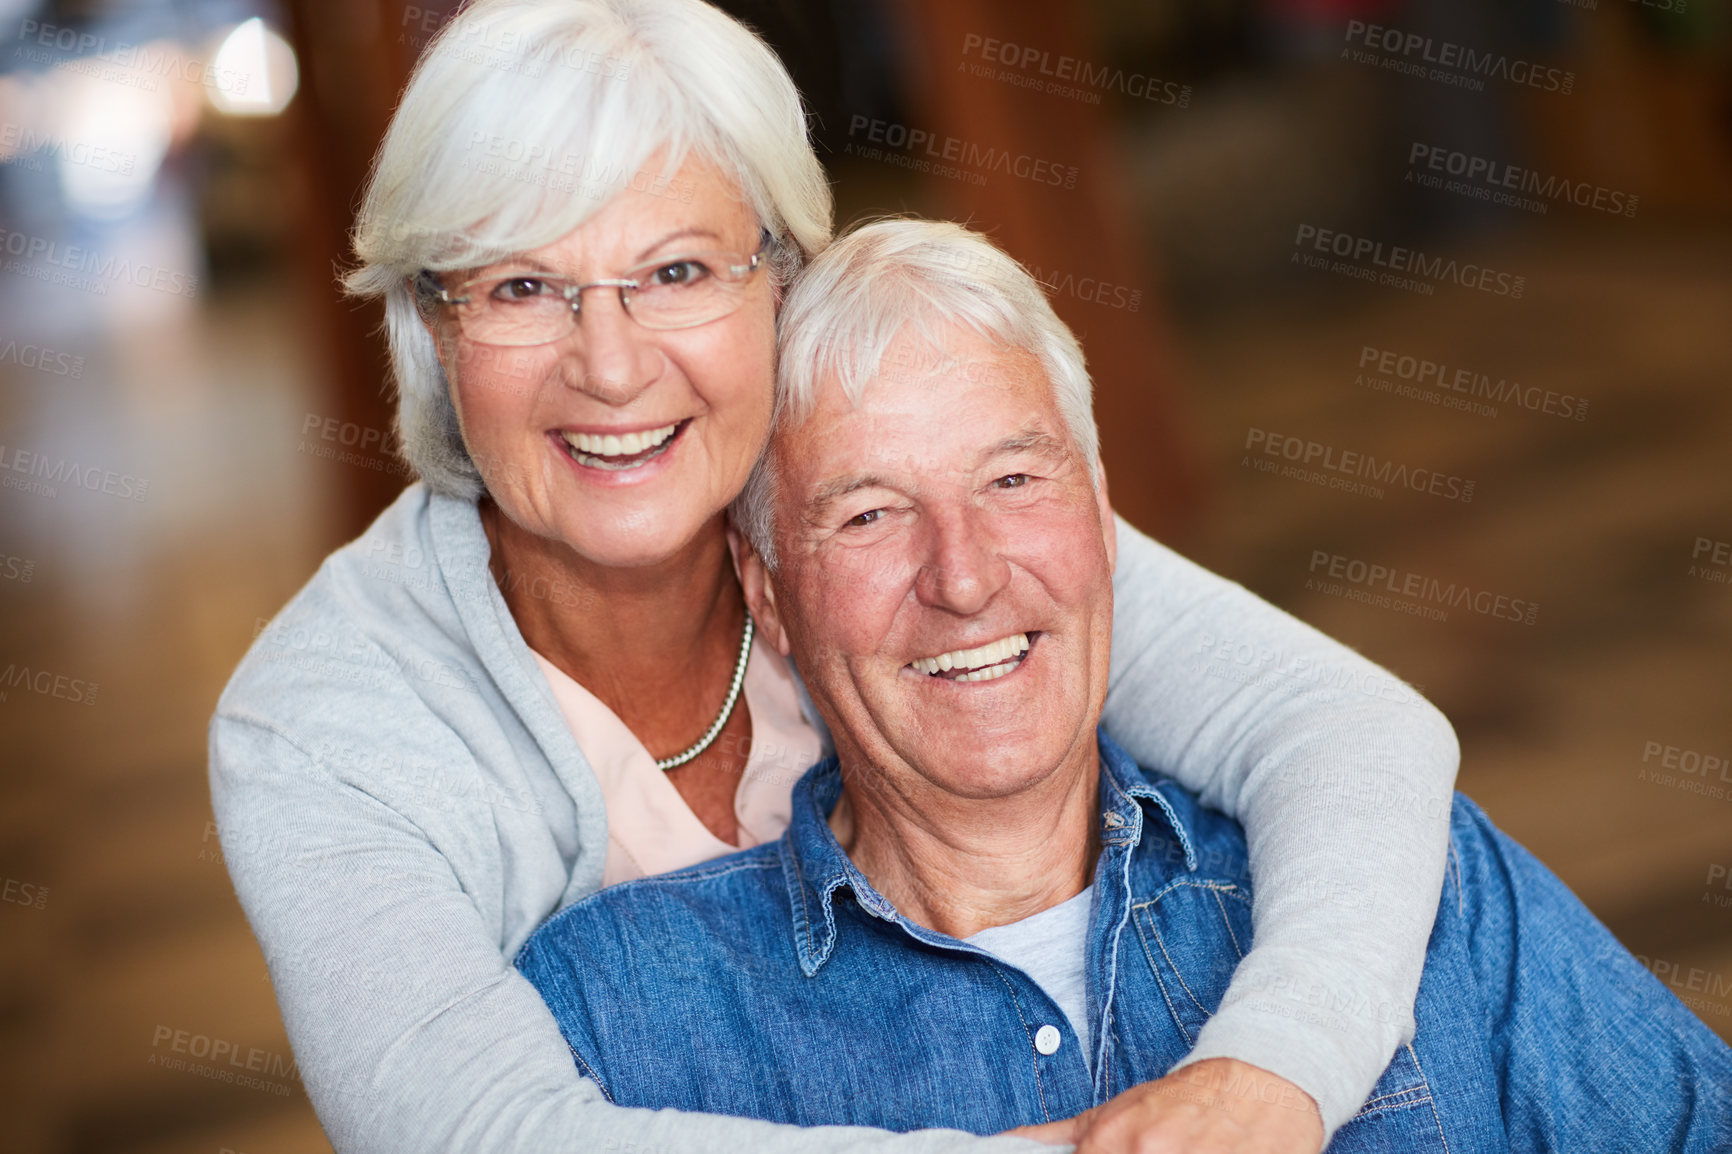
x: 427, y: 284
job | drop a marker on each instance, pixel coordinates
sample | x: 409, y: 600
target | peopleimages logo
x: 1459, y: 388
x: 1498, y: 182
x: 227, y: 1061
x: 1686, y: 981
x: 1686, y: 770
x: 1057, y: 282
x: 1717, y: 569
x: 1090, y: 289
x: 1347, y: 469
x: 63, y: 472
x: 1415, y: 54
x: 46, y: 259
x: 41, y: 358
x: 46, y: 683
x: 928, y: 147
x: 1374, y: 584
x: 1035, y: 64
x: 22, y: 140
x: 139, y: 66
x: 1397, y: 266
x: 25, y: 894
x: 1717, y: 873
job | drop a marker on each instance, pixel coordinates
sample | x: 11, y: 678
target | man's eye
x: 865, y: 518
x: 678, y: 274
x: 520, y: 288
x: 1013, y: 481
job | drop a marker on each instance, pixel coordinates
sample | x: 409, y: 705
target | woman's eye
x: 865, y: 518
x: 1013, y: 481
x: 679, y: 273
x: 519, y: 288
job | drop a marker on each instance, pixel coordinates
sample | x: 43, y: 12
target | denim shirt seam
x: 804, y: 947
x: 699, y: 873
x: 1429, y: 1099
x: 1217, y: 885
x: 1102, y: 1079
x: 1154, y: 793
x: 1112, y: 756
x: 809, y: 949
x: 590, y: 1072
x: 814, y: 954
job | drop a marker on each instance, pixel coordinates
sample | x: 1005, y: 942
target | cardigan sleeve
x: 1342, y: 777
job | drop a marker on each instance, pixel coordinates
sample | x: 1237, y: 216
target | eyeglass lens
x: 530, y: 309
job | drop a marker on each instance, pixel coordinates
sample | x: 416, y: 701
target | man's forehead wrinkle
x: 837, y: 487
x: 925, y: 349
x: 1031, y: 437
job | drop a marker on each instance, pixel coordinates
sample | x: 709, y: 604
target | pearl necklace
x: 679, y: 759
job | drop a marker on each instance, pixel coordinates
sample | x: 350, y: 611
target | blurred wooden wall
x: 1069, y: 234
x: 355, y: 57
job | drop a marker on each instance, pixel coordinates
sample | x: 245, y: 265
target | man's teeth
x: 610, y: 445
x: 982, y: 664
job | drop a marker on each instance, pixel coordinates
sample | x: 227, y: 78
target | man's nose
x: 612, y: 358
x: 965, y: 569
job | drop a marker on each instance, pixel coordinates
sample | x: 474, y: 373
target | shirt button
x: 1046, y: 1039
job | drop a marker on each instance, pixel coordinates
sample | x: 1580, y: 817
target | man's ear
x: 1109, y: 523
x: 759, y: 588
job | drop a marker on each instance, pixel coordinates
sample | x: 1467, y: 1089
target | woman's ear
x: 429, y: 319
x: 759, y: 588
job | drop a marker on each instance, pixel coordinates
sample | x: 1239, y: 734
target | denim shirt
x: 777, y: 983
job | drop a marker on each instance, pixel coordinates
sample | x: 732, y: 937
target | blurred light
x: 253, y: 73
x: 111, y: 141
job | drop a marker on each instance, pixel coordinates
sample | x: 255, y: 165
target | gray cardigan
x: 401, y: 803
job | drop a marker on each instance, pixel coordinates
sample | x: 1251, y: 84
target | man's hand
x: 1212, y: 1107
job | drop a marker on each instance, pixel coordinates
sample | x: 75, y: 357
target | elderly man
x: 983, y: 914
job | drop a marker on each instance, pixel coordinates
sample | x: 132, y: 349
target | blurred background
x: 1414, y: 317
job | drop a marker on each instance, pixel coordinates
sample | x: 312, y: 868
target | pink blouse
x: 650, y: 829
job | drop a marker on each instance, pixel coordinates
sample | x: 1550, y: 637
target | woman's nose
x: 613, y: 358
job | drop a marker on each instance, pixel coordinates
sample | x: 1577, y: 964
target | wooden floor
x: 139, y: 941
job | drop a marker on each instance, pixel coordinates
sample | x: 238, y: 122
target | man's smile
x: 982, y: 663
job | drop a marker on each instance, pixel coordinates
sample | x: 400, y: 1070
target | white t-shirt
x: 1051, y: 947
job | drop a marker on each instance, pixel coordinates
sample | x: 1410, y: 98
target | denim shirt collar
x: 815, y: 865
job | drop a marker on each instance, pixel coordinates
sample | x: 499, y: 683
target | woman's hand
x: 1213, y: 1107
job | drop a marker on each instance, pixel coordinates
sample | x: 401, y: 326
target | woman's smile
x: 614, y: 451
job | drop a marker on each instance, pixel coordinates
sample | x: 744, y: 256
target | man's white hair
x: 523, y: 118
x: 899, y: 276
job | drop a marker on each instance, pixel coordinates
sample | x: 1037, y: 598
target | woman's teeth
x: 981, y: 664
x: 613, y: 451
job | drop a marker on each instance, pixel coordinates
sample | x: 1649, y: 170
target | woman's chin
x: 638, y: 543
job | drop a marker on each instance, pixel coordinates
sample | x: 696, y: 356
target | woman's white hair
x: 850, y: 304
x: 523, y: 118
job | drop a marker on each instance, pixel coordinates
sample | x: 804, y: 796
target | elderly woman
x: 534, y: 674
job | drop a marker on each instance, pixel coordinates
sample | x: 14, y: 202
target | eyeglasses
x: 523, y: 308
